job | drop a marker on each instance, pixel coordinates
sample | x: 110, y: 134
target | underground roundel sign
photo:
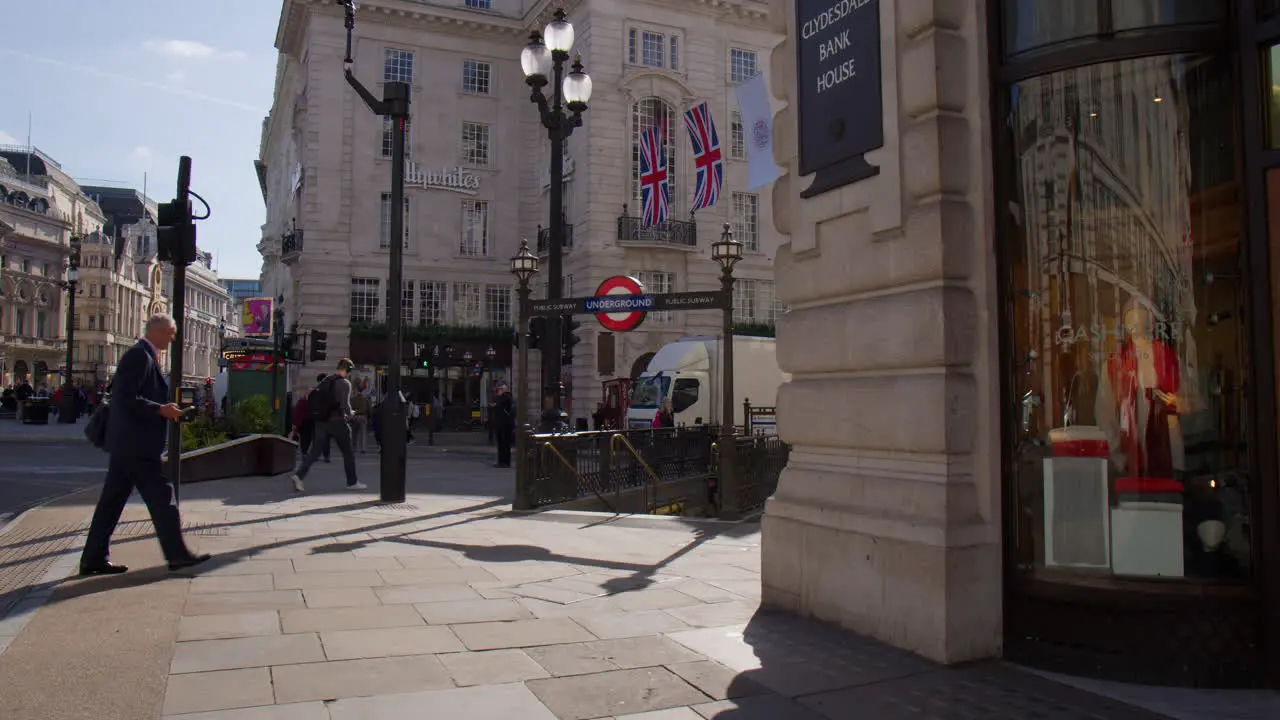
x: 625, y: 296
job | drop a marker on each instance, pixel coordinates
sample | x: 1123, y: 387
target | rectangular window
x: 388, y: 144
x: 406, y: 302
x: 653, y: 49
x: 384, y: 237
x: 475, y: 228
x: 657, y: 282
x: 20, y: 322
x: 737, y: 137
x: 475, y: 144
x: 433, y: 304
x: 742, y: 65
x: 397, y: 66
x: 364, y: 300
x: 633, y: 43
x: 497, y: 304
x: 40, y: 323
x: 746, y: 220
x: 745, y: 306
x: 468, y: 305
x: 476, y: 77
x: 480, y: 4
x: 675, y: 53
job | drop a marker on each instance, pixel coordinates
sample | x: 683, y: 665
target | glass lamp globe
x: 726, y: 250
x: 559, y: 33
x: 535, y: 60
x: 577, y: 87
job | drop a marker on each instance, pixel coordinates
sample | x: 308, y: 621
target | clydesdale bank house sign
x: 840, y: 105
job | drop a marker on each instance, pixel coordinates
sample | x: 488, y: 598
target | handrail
x: 613, y: 445
x: 572, y: 468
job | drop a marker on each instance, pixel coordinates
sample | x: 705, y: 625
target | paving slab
x: 340, y: 597
x: 775, y: 707
x: 245, y: 652
x: 389, y: 642
x: 491, y: 702
x: 683, y: 713
x: 403, y: 594
x: 230, y: 625
x: 458, y: 612
x: 231, y: 583
x: 313, y: 580
x: 307, y: 620
x: 358, y: 678
x: 240, y: 602
x: 491, y: 667
x: 521, y: 633
x: 631, y: 624
x: 620, y: 692
x: 716, y: 680
x: 219, y: 690
x: 293, y: 711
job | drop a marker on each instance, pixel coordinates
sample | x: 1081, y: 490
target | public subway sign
x: 458, y: 179
x: 840, y: 105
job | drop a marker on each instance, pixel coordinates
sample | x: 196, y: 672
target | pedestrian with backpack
x: 330, y: 408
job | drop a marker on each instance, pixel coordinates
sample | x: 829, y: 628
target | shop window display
x: 1127, y: 337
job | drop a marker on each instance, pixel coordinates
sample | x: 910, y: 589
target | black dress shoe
x: 105, y: 568
x: 188, y: 562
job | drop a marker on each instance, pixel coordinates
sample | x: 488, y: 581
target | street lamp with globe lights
x: 727, y: 251
x: 543, y: 61
x: 67, y: 411
x: 524, y: 265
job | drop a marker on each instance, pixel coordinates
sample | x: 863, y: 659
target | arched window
x: 646, y: 114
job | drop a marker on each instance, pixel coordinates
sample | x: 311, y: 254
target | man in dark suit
x: 504, y: 424
x: 141, y: 415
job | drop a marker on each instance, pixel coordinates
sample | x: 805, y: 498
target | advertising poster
x: 256, y: 317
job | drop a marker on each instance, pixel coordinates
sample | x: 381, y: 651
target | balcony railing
x: 290, y: 246
x: 544, y: 239
x: 677, y: 233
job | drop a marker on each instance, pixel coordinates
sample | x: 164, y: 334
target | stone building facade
x: 41, y: 207
x: 478, y: 166
x: 209, y: 317
x: 1033, y: 357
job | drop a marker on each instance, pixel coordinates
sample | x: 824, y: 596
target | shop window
x: 1130, y: 454
x: 1039, y: 24
x: 1271, y: 95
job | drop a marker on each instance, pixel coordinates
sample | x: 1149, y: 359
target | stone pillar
x: 887, y: 518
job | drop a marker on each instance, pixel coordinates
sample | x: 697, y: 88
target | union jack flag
x: 707, y: 160
x: 655, y: 193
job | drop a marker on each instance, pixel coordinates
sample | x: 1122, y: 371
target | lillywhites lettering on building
x: 457, y: 179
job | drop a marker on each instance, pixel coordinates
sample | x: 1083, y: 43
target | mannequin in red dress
x: 1137, y: 400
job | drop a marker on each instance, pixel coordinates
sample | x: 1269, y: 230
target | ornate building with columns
x: 41, y: 208
x: 478, y: 174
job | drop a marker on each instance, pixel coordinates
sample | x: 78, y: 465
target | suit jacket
x: 138, y: 391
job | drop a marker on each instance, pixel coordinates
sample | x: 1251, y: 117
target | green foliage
x: 437, y: 333
x: 201, y: 433
x: 252, y: 416
x: 766, y: 330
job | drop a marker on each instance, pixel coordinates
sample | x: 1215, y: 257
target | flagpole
x: 28, y: 178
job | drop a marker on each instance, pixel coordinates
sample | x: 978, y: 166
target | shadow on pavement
x: 808, y: 670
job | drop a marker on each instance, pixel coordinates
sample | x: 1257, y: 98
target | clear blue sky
x: 119, y: 88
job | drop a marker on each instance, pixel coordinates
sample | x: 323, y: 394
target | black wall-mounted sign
x: 840, y: 106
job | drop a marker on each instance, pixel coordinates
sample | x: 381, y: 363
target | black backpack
x: 320, y: 403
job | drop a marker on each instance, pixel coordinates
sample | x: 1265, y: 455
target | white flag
x: 757, y: 130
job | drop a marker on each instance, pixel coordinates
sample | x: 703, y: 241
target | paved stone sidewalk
x: 13, y: 431
x: 328, y: 605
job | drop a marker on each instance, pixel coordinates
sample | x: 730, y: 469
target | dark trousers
x: 123, y: 475
x: 306, y: 434
x: 337, y: 430
x: 504, y: 439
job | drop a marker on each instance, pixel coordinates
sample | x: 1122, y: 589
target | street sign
x: 628, y: 305
x: 622, y: 293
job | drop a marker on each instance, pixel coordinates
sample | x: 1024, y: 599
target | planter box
x: 260, y: 455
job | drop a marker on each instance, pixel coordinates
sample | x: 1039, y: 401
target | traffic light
x: 175, y: 233
x: 319, y: 345
x: 569, y: 339
x: 537, y: 331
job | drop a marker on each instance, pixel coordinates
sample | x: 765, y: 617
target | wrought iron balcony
x: 290, y: 246
x: 676, y: 233
x: 544, y: 239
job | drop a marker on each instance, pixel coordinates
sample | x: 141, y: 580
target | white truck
x: 688, y: 372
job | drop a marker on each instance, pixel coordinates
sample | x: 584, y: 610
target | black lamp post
x: 543, y: 61
x: 524, y: 265
x: 395, y: 105
x: 727, y: 251
x: 67, y: 413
